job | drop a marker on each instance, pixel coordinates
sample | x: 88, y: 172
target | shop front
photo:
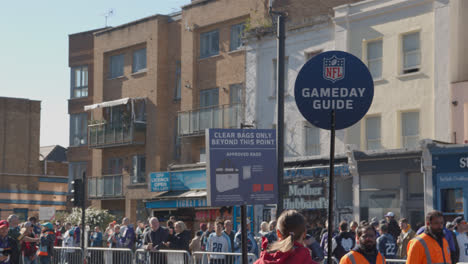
x: 388, y: 181
x: 183, y: 194
x: 449, y: 177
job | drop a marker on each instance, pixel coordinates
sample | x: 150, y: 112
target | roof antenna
x: 109, y: 13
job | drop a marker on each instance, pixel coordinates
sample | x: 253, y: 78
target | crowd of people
x: 371, y: 241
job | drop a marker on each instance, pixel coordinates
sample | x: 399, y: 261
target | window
x: 139, y: 60
x: 75, y: 171
x: 415, y: 186
x: 115, y: 166
x: 139, y: 169
x: 177, y: 140
x: 209, y: 97
x: 209, y: 44
x: 235, y: 93
x: 202, y: 155
x: 22, y: 213
x: 79, y: 82
x: 411, y: 53
x: 374, y: 58
x: 116, y: 66
x: 237, y: 32
x: 178, y: 81
x: 410, y: 129
x: 312, y: 140
x: 373, y: 133
x: 275, y: 77
x: 78, y: 129
x: 452, y: 200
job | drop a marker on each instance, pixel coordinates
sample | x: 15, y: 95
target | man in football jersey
x: 386, y: 244
x: 462, y: 238
x: 218, y: 242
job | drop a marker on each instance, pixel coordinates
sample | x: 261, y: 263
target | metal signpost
x: 240, y: 170
x: 333, y: 90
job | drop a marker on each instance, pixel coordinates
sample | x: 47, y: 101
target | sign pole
x: 244, y: 233
x: 331, y: 192
x: 280, y: 118
x: 83, y: 212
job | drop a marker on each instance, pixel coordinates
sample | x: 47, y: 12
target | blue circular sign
x: 334, y: 80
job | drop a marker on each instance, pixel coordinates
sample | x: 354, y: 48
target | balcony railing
x: 194, y: 122
x: 104, y: 135
x: 107, y: 186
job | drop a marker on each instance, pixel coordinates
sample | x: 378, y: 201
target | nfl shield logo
x: 333, y: 68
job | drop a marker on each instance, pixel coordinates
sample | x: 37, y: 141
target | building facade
x: 26, y: 184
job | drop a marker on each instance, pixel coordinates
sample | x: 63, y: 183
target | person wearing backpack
x: 46, y: 247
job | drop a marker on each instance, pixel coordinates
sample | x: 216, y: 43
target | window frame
x: 374, y: 60
x: 275, y: 77
x: 414, y: 69
x: 178, y: 81
x: 404, y: 138
x: 211, y: 49
x: 236, y: 39
x: 134, y: 58
x: 82, y: 132
x: 308, y: 147
x: 120, y: 73
x: 83, y: 88
x: 379, y: 139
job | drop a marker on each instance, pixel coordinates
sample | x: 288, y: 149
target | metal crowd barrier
x: 143, y: 256
x: 334, y: 260
x: 67, y: 255
x: 97, y: 255
x: 201, y: 257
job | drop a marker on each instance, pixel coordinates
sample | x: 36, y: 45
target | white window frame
x: 379, y: 139
x: 207, y: 46
x: 415, y: 68
x: 139, y: 60
x: 116, y: 66
x: 371, y: 61
x: 79, y: 90
x: 237, y: 33
x: 406, y: 138
x: 311, y: 149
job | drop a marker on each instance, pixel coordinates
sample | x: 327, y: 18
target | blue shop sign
x: 451, y: 162
x: 177, y: 203
x: 160, y: 181
x: 317, y: 172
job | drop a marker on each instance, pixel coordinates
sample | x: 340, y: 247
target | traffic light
x: 77, y: 192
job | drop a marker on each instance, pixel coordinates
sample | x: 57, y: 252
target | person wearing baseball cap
x: 6, y: 243
x: 393, y: 228
x: 46, y: 247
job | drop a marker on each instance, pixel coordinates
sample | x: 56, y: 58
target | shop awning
x: 179, y: 199
x: 107, y: 104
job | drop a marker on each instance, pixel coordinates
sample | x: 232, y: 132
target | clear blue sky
x: 34, y: 49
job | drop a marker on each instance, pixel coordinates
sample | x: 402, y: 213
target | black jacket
x: 157, y: 237
x: 345, y: 241
x: 180, y: 241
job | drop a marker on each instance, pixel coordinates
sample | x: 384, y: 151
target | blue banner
x: 178, y: 180
x: 188, y: 180
x: 242, y: 166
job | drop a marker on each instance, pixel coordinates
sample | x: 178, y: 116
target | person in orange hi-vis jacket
x: 431, y: 246
x: 366, y: 252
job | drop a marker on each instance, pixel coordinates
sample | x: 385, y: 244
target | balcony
x: 105, y: 135
x: 107, y: 186
x: 194, y: 122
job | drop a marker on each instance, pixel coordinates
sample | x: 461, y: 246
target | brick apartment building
x: 29, y: 180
